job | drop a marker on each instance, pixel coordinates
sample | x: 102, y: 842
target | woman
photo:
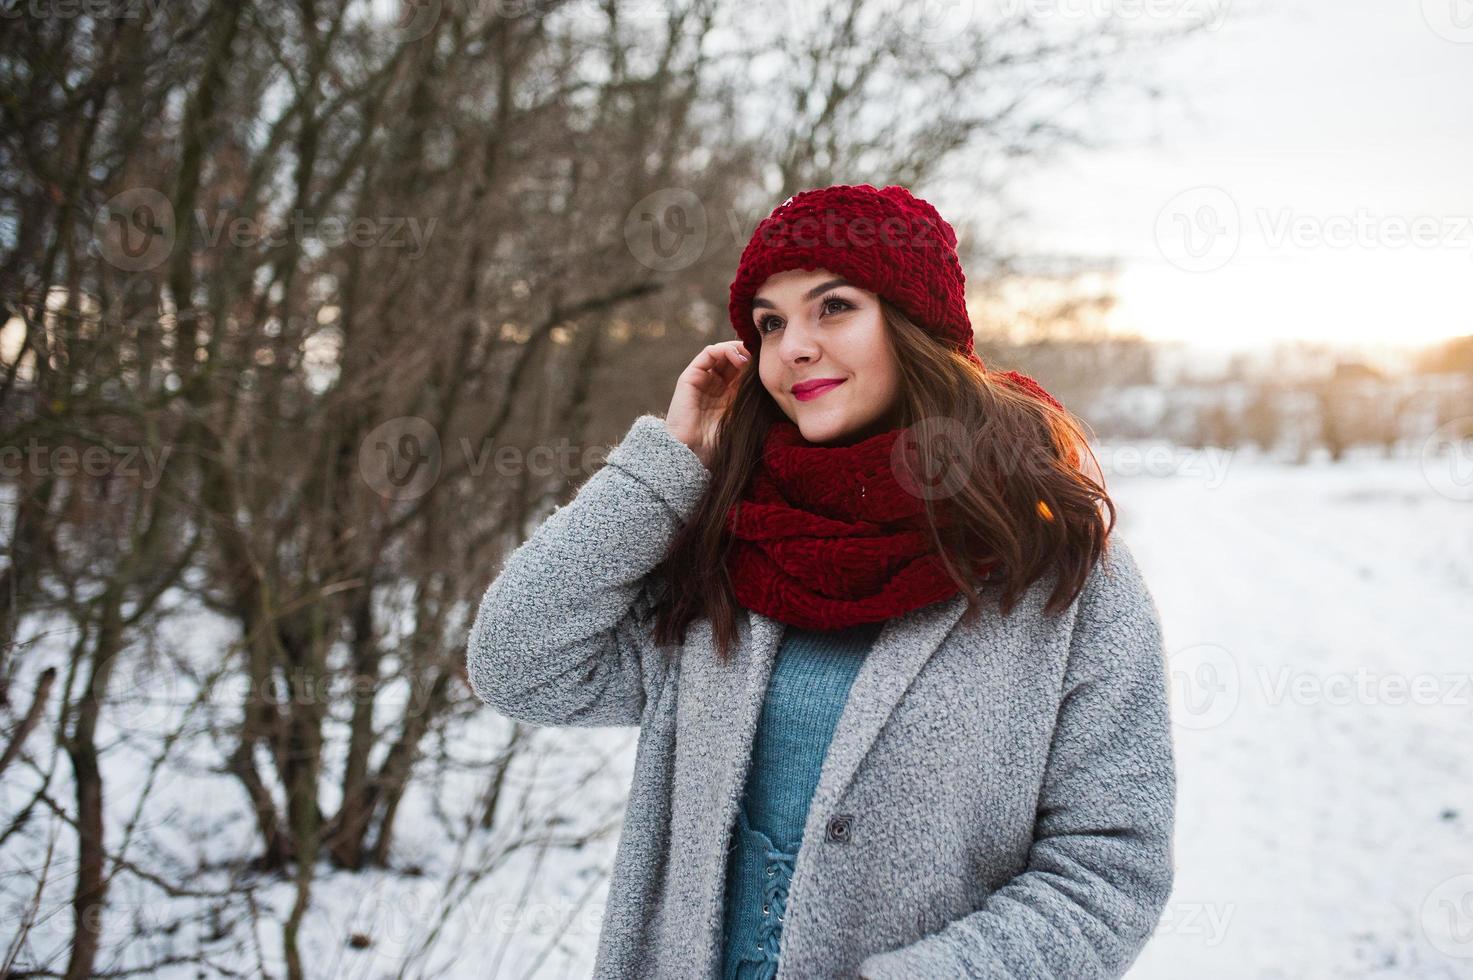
x: 901, y: 692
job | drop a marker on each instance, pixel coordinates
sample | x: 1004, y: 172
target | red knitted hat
x: 886, y: 241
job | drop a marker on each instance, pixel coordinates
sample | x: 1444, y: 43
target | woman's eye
x: 831, y: 301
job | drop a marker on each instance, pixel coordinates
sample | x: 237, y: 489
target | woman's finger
x: 726, y: 352
x: 736, y: 356
x: 724, y: 362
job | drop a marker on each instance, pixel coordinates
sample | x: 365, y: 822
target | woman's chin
x: 826, y: 425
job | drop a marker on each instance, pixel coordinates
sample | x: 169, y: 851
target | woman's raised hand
x: 702, y: 395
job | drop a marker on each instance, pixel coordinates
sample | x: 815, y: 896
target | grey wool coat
x: 997, y: 801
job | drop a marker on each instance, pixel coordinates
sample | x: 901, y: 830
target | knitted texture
x: 758, y: 871
x: 1028, y: 386
x: 1004, y: 787
x: 809, y: 687
x: 888, y: 241
x: 828, y: 536
x: 884, y: 240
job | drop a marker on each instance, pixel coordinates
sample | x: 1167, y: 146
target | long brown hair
x: 1034, y: 507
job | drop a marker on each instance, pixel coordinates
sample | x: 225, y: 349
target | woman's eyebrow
x: 811, y: 294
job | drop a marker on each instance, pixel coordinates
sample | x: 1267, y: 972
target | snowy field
x: 1319, y: 627
x: 1318, y: 623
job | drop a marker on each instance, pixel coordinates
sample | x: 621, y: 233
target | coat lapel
x: 898, y: 654
x: 900, y: 651
x: 718, y: 722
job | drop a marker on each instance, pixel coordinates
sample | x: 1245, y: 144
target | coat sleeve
x: 1101, y: 864
x: 562, y: 635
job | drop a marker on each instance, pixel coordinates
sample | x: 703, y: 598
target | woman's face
x: 816, y: 327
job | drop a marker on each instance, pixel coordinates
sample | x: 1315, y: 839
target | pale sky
x: 1336, y: 138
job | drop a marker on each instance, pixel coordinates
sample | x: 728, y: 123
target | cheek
x: 767, y: 373
x: 883, y: 384
x: 881, y: 370
x: 871, y: 344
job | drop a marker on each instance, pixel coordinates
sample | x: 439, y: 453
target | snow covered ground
x: 1319, y: 627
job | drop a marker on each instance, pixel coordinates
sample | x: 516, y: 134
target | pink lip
x: 808, y: 390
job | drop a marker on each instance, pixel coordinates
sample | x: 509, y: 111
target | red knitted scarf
x: 827, y: 536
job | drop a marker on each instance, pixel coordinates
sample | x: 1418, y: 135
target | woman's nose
x: 798, y: 342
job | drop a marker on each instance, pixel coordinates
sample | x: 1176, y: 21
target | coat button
x: 838, y: 830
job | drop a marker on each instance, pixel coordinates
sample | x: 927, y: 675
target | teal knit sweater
x: 810, y: 684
